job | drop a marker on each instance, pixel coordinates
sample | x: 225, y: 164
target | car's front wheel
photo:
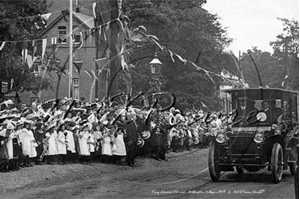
x: 213, y: 160
x: 277, y: 163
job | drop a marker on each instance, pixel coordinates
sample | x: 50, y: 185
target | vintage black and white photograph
x: 149, y: 99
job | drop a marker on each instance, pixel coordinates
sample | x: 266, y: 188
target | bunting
x: 34, y: 46
x: 284, y: 81
x: 94, y: 9
x: 44, y: 45
x: 2, y: 45
x: 101, y: 63
x: 78, y: 65
x: 203, y: 104
x: 17, y: 99
x: 30, y: 60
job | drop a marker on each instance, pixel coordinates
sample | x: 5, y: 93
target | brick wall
x: 86, y: 54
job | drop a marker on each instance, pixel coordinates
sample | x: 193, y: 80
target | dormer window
x: 62, y: 34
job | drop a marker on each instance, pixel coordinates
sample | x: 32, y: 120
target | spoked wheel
x: 277, y: 163
x: 293, y: 167
x: 213, y: 156
x: 293, y: 163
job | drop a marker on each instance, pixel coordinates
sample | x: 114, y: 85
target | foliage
x: 269, y: 68
x: 286, y: 50
x: 20, y: 22
x: 284, y: 62
x: 189, y: 31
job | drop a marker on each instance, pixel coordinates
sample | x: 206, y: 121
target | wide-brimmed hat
x: 145, y: 135
x: 20, y: 122
x: 140, y: 142
x: 51, y: 126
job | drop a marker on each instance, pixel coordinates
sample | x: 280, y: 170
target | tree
x: 286, y: 50
x: 20, y: 21
x: 189, y: 31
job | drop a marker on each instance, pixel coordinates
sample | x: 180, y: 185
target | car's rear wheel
x: 213, y: 160
x: 277, y: 163
x: 293, y: 168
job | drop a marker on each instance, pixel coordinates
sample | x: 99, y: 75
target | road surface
x: 185, y: 175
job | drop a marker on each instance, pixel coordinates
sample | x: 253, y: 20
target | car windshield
x: 254, y: 107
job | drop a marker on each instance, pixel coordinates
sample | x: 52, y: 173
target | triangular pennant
x: 101, y: 63
x: 53, y: 40
x: 46, y: 16
x: 171, y: 55
x: 34, y: 45
x: 89, y: 74
x: 207, y: 73
x: 31, y: 18
x: 44, y: 45
x: 30, y: 61
x: 94, y: 9
x: 2, y: 45
x: 12, y: 83
x: 78, y: 65
x: 203, y: 104
x: 81, y: 41
x: 24, y: 52
x: 17, y: 99
x: 284, y: 80
x: 94, y: 75
x: 181, y: 59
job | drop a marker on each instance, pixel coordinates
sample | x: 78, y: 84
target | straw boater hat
x: 51, y: 126
x: 140, y: 142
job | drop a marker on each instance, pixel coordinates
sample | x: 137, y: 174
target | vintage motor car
x: 260, y: 131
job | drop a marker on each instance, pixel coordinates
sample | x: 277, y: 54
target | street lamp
x: 155, y: 67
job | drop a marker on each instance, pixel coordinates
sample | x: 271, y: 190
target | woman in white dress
x: 28, y: 143
x: 118, y: 149
x: 51, y: 144
x: 83, y: 137
x: 61, y: 144
x: 106, y: 143
x: 70, y: 143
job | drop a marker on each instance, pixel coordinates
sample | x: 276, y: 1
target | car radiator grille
x: 242, y: 144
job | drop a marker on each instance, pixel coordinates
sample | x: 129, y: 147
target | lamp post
x: 155, y: 68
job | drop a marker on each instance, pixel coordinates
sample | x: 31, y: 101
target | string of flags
x: 84, y: 35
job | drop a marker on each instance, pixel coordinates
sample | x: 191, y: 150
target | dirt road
x: 185, y: 175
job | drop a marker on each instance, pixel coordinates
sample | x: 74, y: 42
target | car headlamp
x: 221, y: 138
x: 259, y: 137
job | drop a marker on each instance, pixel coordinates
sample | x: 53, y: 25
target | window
x: 76, y: 88
x: 76, y: 38
x: 62, y: 34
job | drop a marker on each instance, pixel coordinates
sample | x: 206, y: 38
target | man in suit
x: 243, y: 108
x: 131, y: 138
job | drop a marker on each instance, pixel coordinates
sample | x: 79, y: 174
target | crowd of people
x: 66, y: 131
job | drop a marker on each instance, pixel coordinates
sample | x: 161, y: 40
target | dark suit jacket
x: 131, y: 132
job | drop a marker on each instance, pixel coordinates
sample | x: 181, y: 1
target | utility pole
x: 71, y: 51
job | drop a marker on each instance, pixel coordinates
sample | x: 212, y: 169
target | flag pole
x: 71, y: 51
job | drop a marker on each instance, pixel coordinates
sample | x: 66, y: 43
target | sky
x: 253, y: 22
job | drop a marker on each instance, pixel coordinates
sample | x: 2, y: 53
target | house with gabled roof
x: 87, y: 82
